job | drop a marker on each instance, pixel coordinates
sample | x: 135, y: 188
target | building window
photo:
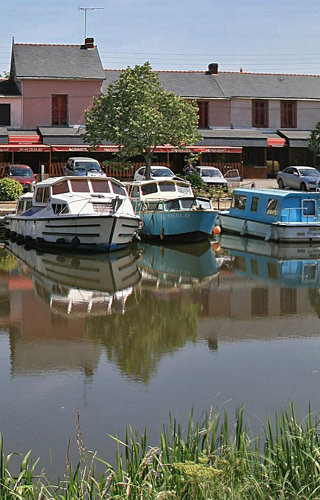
x: 59, y: 105
x: 260, y: 113
x: 288, y: 114
x: 203, y: 107
x: 5, y: 114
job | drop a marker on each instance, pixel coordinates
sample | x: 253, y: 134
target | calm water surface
x: 128, y: 338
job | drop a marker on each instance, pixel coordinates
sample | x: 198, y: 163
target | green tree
x: 314, y: 140
x: 138, y: 114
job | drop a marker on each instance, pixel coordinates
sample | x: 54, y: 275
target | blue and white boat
x: 273, y: 215
x: 169, y: 210
x: 289, y: 264
x: 169, y: 266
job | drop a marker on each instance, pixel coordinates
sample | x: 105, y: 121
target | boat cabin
x: 275, y: 205
x: 57, y: 191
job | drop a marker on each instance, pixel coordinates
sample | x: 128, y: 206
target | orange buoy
x: 216, y: 230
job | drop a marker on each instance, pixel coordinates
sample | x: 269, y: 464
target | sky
x: 265, y: 36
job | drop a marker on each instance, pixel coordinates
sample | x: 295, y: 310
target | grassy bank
x: 207, y: 461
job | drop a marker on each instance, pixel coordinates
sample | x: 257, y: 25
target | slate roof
x: 8, y: 88
x: 186, y: 84
x: 233, y: 137
x: 70, y: 62
x: 62, y: 135
x: 225, y: 85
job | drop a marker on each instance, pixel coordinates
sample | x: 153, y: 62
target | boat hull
x: 189, y: 225
x: 90, y: 233
x: 278, y: 231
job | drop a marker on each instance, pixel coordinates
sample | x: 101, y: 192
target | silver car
x: 300, y: 178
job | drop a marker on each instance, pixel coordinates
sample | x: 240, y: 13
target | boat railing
x: 298, y: 214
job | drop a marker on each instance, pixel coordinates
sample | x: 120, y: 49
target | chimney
x: 213, y: 68
x: 89, y: 43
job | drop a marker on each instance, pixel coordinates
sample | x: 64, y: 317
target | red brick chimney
x: 213, y: 68
x: 89, y: 43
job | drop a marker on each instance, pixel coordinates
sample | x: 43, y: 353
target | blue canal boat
x: 291, y: 265
x: 273, y: 215
x: 170, y: 211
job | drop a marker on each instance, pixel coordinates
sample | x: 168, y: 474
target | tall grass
x: 211, y: 460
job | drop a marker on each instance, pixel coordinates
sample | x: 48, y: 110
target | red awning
x: 276, y: 142
x: 25, y: 139
x: 104, y: 149
x: 27, y: 148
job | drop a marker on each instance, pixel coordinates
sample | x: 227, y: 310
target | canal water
x: 108, y: 341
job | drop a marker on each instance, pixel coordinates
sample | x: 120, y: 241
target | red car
x: 24, y: 175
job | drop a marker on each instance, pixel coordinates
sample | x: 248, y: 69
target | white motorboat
x: 79, y: 213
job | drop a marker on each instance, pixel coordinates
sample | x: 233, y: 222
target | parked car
x: 300, y: 178
x: 212, y: 177
x: 79, y: 165
x: 23, y: 174
x: 156, y: 172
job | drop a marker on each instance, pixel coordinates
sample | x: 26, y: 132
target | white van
x: 80, y: 165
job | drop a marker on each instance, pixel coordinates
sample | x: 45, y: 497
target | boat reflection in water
x: 82, y: 285
x: 289, y: 264
x: 168, y: 266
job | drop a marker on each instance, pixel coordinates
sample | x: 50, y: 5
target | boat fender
x: 75, y: 242
x: 20, y: 239
x: 7, y: 234
x: 13, y: 236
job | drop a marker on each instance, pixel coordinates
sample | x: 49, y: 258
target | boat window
x: 42, y: 195
x: 239, y: 263
x: 204, y: 204
x: 60, y: 188
x: 117, y: 189
x: 167, y: 186
x: 181, y: 188
x: 154, y: 205
x: 309, y: 207
x: 46, y: 195
x: 254, y: 266
x: 309, y: 272
x: 173, y: 205
x: 59, y: 208
x: 272, y: 270
x: 135, y: 192
x: 272, y: 207
x: 100, y: 186
x: 239, y: 201
x: 254, y: 204
x: 188, y: 203
x: 79, y: 185
x: 149, y: 188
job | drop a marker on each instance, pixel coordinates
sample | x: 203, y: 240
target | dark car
x: 300, y: 178
x: 23, y: 174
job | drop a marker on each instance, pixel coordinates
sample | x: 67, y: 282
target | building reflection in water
x: 140, y: 304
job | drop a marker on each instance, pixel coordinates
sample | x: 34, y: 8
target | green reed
x: 214, y: 459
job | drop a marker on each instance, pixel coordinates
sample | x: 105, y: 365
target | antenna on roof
x: 85, y: 16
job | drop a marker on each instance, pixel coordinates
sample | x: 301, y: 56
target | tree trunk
x: 148, y: 164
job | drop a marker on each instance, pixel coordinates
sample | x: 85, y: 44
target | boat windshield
x: 167, y: 186
x: 181, y: 188
x: 149, y: 189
